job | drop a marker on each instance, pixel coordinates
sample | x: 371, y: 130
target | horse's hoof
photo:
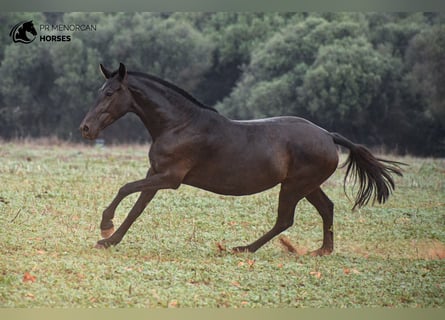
x: 242, y: 249
x: 100, y: 246
x: 107, y: 233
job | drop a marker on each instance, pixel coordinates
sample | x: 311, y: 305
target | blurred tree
x: 76, y: 79
x: 342, y: 85
x: 425, y: 61
x: 284, y: 60
x: 11, y: 111
x: 426, y: 78
x: 25, y: 86
x: 235, y: 36
x: 394, y: 31
x: 170, y: 48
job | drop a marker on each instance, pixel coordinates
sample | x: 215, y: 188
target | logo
x: 23, y: 32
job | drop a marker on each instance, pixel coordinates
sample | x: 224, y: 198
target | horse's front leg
x: 106, y: 225
x: 148, y: 188
x: 138, y: 208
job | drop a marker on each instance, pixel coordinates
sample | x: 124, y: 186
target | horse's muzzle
x: 86, y: 132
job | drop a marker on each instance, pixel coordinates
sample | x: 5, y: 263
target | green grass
x: 52, y: 197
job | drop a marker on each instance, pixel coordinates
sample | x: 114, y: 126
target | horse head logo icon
x: 23, y: 32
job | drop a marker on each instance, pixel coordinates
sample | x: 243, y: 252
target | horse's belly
x: 230, y: 189
x: 241, y: 178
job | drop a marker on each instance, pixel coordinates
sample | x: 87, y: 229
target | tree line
x: 377, y: 78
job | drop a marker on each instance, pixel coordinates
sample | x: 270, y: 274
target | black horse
x: 20, y: 30
x: 195, y: 145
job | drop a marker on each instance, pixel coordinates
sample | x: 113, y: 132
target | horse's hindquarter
x: 247, y: 157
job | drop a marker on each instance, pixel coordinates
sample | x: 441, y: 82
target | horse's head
x: 114, y: 100
x: 29, y: 27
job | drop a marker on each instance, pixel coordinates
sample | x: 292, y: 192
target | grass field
x: 52, y: 197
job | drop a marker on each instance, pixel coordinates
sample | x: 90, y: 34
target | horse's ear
x: 106, y: 73
x: 122, y: 72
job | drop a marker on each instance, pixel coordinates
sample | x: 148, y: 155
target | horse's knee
x: 283, y: 225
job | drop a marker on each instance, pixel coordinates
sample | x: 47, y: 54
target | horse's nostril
x: 85, y: 128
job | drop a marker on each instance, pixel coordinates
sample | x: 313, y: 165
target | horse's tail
x: 373, y: 174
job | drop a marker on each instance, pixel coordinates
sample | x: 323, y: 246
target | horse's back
x: 300, y: 136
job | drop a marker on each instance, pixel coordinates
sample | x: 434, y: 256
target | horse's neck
x: 157, y: 111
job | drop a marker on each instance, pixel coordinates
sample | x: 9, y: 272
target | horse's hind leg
x: 325, y: 208
x: 288, y: 200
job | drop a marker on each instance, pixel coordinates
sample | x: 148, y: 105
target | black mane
x: 170, y: 85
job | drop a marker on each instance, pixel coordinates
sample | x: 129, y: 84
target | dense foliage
x: 376, y: 77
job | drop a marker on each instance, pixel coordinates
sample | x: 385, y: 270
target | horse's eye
x: 109, y: 93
